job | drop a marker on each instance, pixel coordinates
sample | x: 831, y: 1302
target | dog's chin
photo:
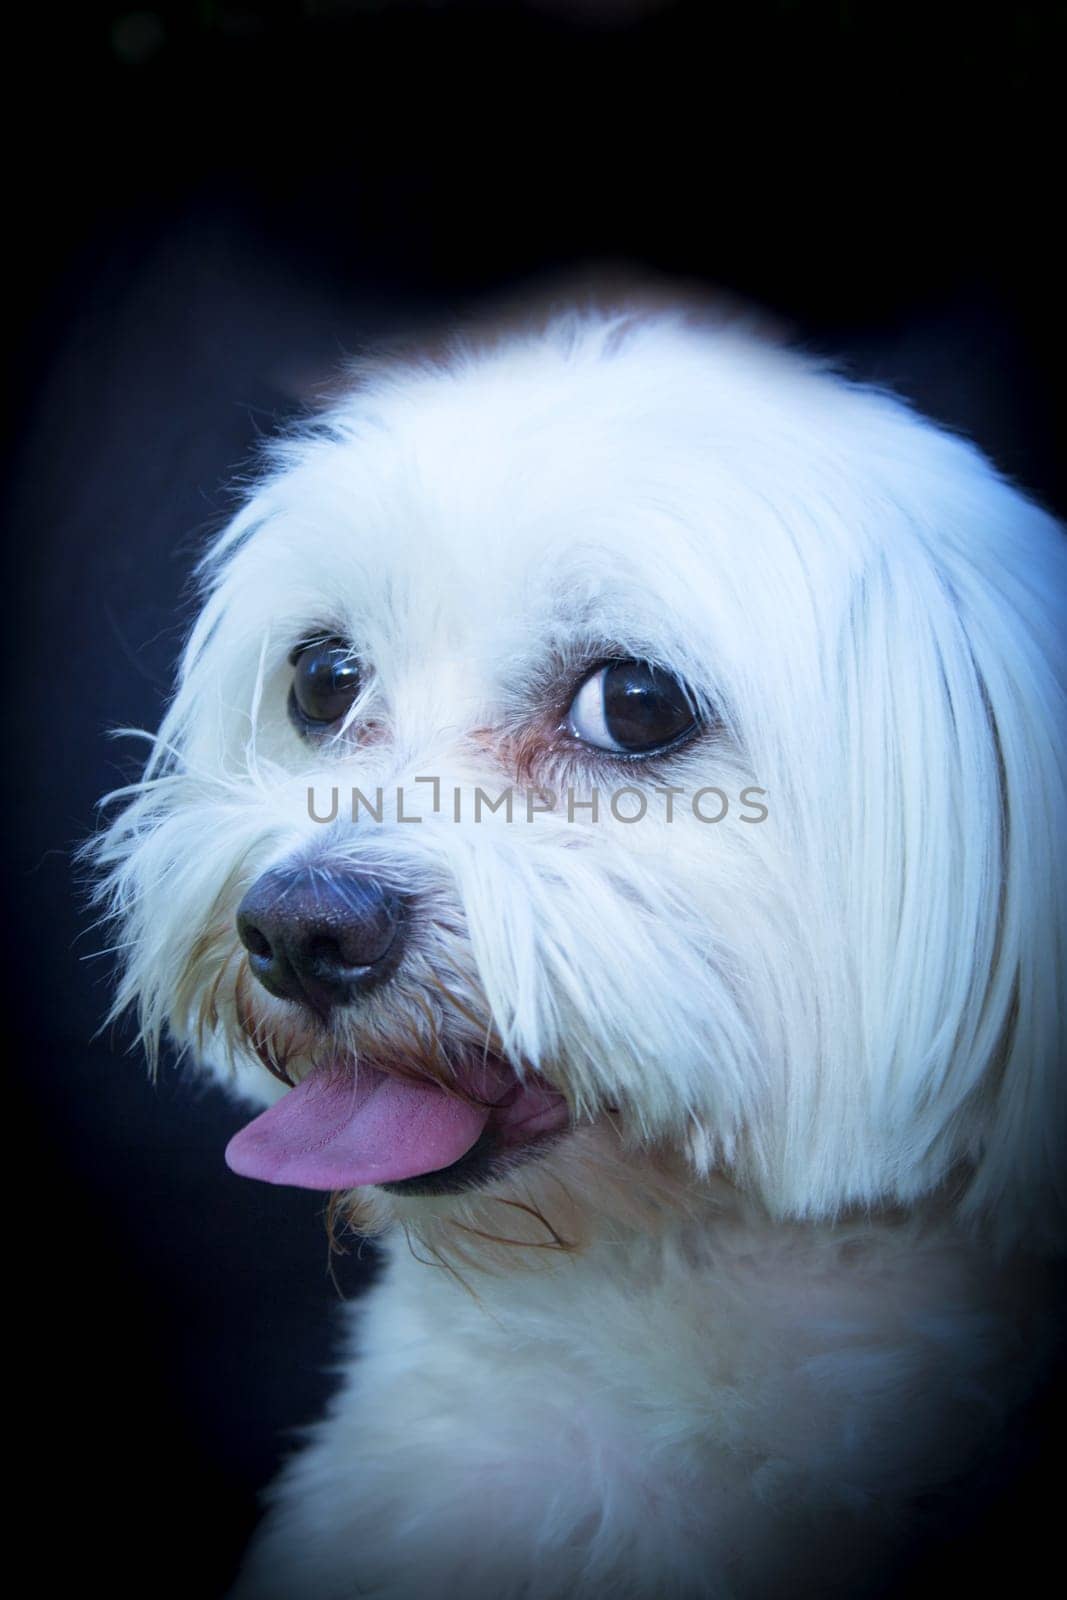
x: 485, y: 1163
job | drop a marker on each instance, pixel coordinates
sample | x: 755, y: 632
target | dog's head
x: 627, y: 737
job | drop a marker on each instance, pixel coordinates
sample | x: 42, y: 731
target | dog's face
x: 796, y: 648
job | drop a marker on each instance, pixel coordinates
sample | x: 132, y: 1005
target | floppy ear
x: 1016, y: 634
x: 956, y: 694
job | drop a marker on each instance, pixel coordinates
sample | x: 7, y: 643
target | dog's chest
x: 646, y: 1417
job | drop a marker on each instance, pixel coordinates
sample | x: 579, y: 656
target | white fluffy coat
x: 781, y: 1282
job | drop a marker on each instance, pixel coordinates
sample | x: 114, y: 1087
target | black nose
x: 322, y: 936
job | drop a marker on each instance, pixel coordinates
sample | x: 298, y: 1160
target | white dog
x: 616, y: 776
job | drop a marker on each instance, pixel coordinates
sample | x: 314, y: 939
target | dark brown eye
x: 630, y: 708
x: 325, y: 683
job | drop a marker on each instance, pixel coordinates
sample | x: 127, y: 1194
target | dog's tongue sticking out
x: 337, y: 1129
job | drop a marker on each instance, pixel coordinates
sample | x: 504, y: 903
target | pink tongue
x: 334, y: 1131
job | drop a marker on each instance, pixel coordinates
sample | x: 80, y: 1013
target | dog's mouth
x: 343, y: 1127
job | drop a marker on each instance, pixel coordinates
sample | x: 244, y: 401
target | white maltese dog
x: 612, y: 817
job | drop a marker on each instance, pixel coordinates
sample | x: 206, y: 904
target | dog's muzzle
x: 322, y: 937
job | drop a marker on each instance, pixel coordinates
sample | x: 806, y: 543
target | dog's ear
x: 170, y: 863
x: 955, y: 687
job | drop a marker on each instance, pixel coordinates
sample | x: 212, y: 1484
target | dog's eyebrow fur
x: 318, y: 636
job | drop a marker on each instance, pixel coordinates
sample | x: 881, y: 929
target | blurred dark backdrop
x: 207, y: 205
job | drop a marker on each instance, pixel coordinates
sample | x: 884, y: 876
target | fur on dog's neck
x: 594, y: 1192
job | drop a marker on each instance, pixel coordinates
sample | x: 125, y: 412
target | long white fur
x: 826, y: 1049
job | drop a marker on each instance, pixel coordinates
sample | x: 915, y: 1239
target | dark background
x: 207, y: 205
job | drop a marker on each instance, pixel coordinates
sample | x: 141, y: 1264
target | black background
x: 206, y: 206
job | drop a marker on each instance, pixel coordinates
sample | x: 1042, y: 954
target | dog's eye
x: 631, y: 709
x: 325, y: 683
